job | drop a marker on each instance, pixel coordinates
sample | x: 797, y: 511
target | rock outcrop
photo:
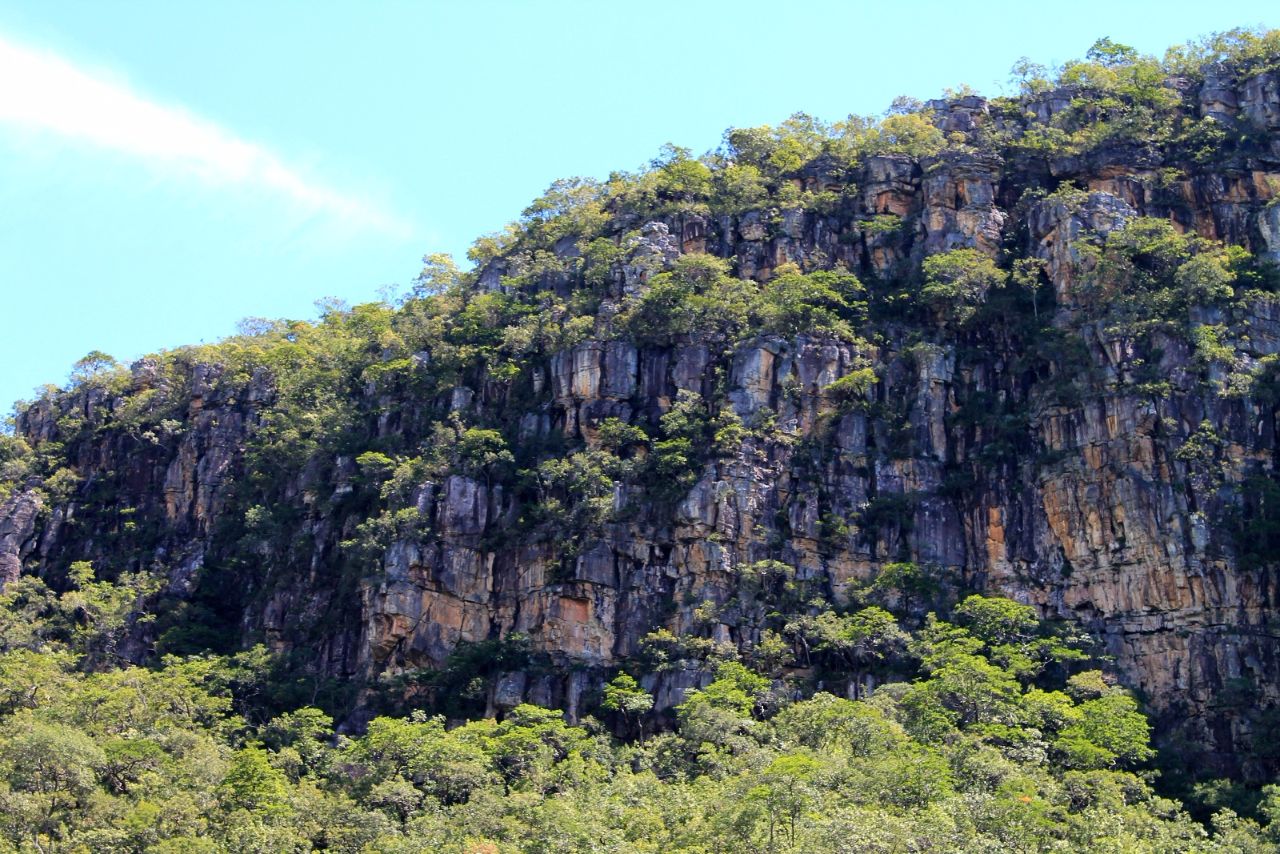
x: 17, y: 528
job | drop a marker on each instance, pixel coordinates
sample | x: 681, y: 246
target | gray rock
x: 18, y: 516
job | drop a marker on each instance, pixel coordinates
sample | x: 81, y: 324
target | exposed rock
x: 1269, y: 228
x: 1260, y: 100
x: 1057, y: 225
x: 650, y: 253
x: 1218, y: 96
x: 890, y: 184
x: 751, y: 226
x: 17, y: 526
x: 960, y: 115
x: 959, y: 202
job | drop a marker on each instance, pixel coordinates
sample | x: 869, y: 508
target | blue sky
x: 169, y: 168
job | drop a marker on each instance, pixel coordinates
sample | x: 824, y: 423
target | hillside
x: 869, y: 486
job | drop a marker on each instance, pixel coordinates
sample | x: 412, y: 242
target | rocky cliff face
x: 1106, y: 482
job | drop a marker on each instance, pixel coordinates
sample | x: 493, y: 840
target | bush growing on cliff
x: 780, y: 150
x: 912, y: 134
x: 696, y: 297
x: 957, y: 282
x: 1244, y: 51
x: 820, y: 304
x: 15, y: 462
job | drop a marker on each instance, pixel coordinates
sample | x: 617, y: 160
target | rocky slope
x: 1044, y: 444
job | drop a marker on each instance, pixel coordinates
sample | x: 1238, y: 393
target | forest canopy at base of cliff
x: 971, y: 754
x: 760, y: 409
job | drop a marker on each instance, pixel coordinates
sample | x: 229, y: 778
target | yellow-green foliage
x: 966, y: 753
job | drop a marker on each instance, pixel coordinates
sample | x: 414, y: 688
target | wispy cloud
x: 42, y: 91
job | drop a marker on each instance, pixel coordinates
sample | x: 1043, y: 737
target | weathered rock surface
x: 17, y: 526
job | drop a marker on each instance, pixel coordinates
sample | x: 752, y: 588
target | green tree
x: 1111, y: 731
x: 252, y: 784
x: 439, y: 275
x: 997, y: 620
x: 722, y: 711
x: 957, y: 282
x: 820, y: 303
x: 1106, y: 52
x: 624, y: 697
x: 852, y: 642
x: 57, y: 764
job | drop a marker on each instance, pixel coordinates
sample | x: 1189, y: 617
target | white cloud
x: 42, y: 91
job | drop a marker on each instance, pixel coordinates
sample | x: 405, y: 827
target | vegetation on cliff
x: 166, y: 524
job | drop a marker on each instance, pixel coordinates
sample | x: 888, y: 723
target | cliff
x: 1025, y: 346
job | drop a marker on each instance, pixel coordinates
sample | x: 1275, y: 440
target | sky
x: 167, y: 169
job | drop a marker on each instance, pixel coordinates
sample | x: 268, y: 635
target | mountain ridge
x: 1024, y: 347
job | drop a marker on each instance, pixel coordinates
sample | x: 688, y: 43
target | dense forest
x: 996, y: 737
x: 887, y: 485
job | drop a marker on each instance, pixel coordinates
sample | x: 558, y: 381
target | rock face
x: 1075, y: 491
x: 17, y: 527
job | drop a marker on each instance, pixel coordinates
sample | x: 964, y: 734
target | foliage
x: 966, y: 751
x: 626, y: 698
x: 956, y: 282
x: 821, y: 303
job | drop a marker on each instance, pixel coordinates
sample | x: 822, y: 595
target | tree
x: 57, y: 763
x: 95, y: 368
x: 1111, y: 731
x: 787, y: 791
x: 722, y: 711
x: 252, y: 784
x: 957, y: 282
x: 1111, y: 54
x: 828, y: 723
x: 482, y: 451
x: 307, y: 731
x: 1031, y: 77
x: 854, y: 641
x: 903, y: 586
x: 821, y: 303
x: 997, y: 620
x: 1028, y: 275
x: 439, y: 275
x: 908, y: 133
x: 624, y: 697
